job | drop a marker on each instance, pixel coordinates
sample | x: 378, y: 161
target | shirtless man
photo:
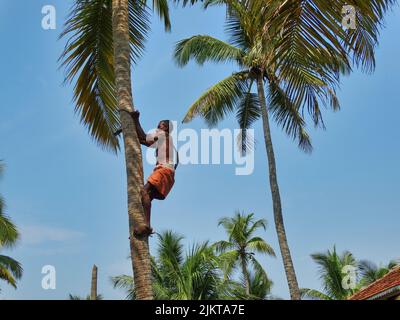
x: 162, y: 179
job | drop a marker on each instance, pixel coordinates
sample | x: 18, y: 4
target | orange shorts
x: 162, y: 179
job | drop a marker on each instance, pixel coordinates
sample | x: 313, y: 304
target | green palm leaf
x: 219, y: 100
x: 288, y: 116
x: 364, y: 39
x: 125, y: 282
x: 260, y: 285
x: 258, y: 245
x: 203, y: 48
x: 248, y: 111
x: 8, y: 232
x: 162, y: 9
x: 10, y: 270
x: 370, y: 272
x: 314, y: 294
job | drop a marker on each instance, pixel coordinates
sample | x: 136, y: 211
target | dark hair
x: 168, y: 124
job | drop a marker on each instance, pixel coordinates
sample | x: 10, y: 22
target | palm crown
x: 242, y: 245
x: 332, y: 273
x: 299, y: 48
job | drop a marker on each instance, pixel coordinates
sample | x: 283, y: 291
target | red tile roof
x: 389, y: 281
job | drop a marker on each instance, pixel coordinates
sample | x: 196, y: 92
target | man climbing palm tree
x: 161, y: 181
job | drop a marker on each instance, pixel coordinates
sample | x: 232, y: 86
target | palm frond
x: 162, y: 9
x: 125, y: 282
x: 8, y: 277
x: 259, y: 245
x: 202, y: 48
x: 313, y: 294
x: 288, y: 116
x: 368, y: 271
x: 88, y: 59
x: 10, y: 270
x: 222, y: 246
x: 312, y: 31
x: 228, y: 262
x: 262, y: 223
x: 248, y: 111
x: 234, y: 28
x: 363, y: 40
x: 393, y: 264
x: 170, y: 249
x: 219, y: 100
x: 260, y: 285
x: 9, y: 234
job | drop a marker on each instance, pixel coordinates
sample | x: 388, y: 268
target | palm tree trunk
x: 245, y: 276
x: 133, y: 155
x: 276, y: 198
x: 93, y: 289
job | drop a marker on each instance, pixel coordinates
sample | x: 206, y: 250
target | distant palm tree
x: 370, y: 271
x: 93, y: 287
x: 194, y: 276
x: 332, y: 274
x: 10, y: 269
x: 242, y: 244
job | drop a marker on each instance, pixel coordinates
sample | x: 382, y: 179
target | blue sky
x: 68, y: 196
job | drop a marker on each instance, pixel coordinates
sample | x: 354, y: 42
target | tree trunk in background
x: 93, y: 289
x: 133, y: 155
x: 245, y: 276
x: 276, y: 198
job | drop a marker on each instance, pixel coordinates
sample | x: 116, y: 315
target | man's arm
x: 139, y: 130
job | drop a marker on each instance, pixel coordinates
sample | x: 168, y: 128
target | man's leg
x: 147, y: 197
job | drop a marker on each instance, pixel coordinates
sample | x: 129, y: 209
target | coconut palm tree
x: 297, y: 50
x: 370, y: 271
x: 332, y: 272
x: 242, y: 245
x: 10, y: 269
x: 105, y: 37
x: 176, y: 276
